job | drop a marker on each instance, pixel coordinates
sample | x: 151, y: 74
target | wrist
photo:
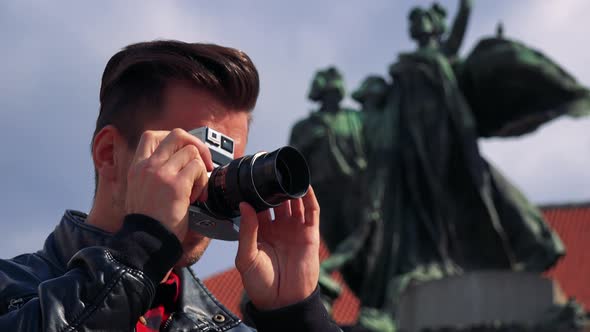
x: 306, y: 315
x: 179, y: 229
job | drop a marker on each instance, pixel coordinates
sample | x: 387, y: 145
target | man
x: 124, y: 266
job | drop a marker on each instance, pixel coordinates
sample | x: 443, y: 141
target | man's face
x: 188, y: 108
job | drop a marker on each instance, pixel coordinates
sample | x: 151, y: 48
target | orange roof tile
x: 572, y: 223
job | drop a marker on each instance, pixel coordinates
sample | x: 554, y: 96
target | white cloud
x: 551, y: 165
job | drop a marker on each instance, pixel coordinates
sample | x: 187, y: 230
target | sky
x: 53, y: 56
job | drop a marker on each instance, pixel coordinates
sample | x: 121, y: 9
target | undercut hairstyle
x: 135, y: 79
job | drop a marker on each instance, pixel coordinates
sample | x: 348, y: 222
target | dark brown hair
x: 134, y: 80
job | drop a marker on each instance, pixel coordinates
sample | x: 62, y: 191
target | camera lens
x: 264, y: 180
x: 284, y: 175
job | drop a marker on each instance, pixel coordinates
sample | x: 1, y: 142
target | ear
x: 103, y: 153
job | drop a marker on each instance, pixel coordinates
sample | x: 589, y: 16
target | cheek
x: 239, y: 152
x: 240, y: 148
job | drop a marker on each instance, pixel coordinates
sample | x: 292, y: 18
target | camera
x: 264, y: 180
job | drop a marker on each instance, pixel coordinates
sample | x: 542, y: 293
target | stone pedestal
x: 477, y: 298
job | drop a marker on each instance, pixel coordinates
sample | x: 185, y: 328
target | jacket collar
x: 197, y: 302
x: 71, y: 235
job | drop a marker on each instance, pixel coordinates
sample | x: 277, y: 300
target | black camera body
x: 264, y: 180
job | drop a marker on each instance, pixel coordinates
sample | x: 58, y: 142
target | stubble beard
x: 193, y: 251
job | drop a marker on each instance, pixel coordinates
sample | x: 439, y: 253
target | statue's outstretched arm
x: 454, y: 40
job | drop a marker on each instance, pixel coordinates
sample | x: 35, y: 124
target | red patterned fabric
x: 163, y: 305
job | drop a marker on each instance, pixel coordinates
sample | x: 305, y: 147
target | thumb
x: 248, y: 238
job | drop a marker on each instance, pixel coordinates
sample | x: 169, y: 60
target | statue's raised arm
x: 450, y: 46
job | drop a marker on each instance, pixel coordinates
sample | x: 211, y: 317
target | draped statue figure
x: 405, y: 194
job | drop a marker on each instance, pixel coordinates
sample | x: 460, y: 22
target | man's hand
x: 279, y: 260
x: 167, y: 173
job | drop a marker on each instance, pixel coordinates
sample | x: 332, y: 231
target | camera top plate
x: 220, y: 145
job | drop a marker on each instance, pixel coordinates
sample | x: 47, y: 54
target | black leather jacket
x: 80, y: 281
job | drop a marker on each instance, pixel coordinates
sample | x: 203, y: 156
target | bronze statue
x: 431, y: 205
x: 428, y: 27
x: 445, y: 209
x: 331, y: 140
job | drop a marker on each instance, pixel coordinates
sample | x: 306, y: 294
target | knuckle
x: 148, y: 135
x: 177, y: 132
x: 196, y: 169
x: 193, y: 151
x: 203, y: 178
x: 314, y: 210
x: 199, y: 162
x: 201, y: 172
x: 146, y: 166
x: 194, y: 163
x: 163, y: 174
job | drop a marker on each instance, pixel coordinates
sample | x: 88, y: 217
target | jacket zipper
x: 168, y: 321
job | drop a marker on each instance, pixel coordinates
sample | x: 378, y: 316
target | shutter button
x: 219, y: 318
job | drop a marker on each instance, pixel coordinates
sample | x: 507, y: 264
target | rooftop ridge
x: 564, y: 205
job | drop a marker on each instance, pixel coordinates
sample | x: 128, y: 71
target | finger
x: 248, y: 238
x: 264, y: 216
x: 176, y: 140
x: 148, y: 142
x: 194, y: 175
x: 205, y: 154
x: 204, y: 195
x: 203, y: 151
x: 311, y: 207
x: 297, y: 210
x: 181, y: 158
x: 283, y: 211
x: 199, y: 192
x: 266, y: 226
